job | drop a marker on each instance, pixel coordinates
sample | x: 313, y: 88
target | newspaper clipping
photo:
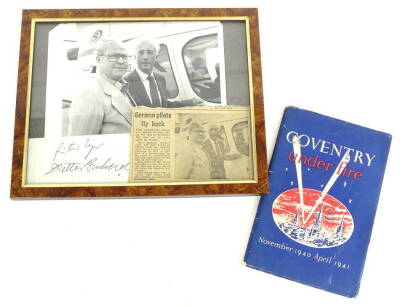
x: 196, y: 144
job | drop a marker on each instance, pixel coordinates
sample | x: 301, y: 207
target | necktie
x: 155, y: 100
x: 217, y: 148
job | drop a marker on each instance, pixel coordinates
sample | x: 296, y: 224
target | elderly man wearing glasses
x: 102, y: 107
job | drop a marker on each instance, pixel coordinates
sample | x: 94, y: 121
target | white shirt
x: 144, y: 77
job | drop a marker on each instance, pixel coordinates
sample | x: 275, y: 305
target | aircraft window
x: 164, y: 67
x: 200, y: 56
x: 240, y: 133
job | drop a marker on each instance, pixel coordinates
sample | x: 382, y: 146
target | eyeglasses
x: 198, y: 131
x: 113, y: 58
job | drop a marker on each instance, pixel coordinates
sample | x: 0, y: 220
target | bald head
x: 107, y: 44
x: 146, y: 54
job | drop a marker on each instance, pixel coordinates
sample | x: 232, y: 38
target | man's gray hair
x: 104, y: 45
x: 149, y: 41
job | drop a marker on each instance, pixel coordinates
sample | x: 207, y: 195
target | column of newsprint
x: 152, y: 145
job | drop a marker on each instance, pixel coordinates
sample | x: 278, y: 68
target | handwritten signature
x: 86, y: 163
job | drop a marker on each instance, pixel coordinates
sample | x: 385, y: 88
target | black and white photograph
x: 88, y: 76
x: 212, y: 146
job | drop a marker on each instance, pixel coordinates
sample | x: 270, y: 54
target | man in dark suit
x: 216, y: 152
x: 146, y: 87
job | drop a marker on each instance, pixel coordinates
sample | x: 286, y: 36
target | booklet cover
x: 315, y: 225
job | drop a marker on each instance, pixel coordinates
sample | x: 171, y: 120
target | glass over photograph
x: 88, y: 78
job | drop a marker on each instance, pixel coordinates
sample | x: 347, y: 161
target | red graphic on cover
x: 331, y: 224
x: 311, y: 217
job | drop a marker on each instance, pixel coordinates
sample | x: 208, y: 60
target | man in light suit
x: 191, y: 160
x: 101, y: 107
x: 146, y: 87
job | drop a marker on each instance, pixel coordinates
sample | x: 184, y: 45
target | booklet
x: 315, y: 225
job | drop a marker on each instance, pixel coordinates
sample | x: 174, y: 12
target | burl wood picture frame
x: 206, y: 57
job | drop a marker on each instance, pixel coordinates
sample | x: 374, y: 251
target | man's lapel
x: 118, y: 100
x: 137, y: 90
x: 162, y: 89
x: 208, y: 147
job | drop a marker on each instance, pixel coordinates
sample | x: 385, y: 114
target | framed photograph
x: 139, y: 102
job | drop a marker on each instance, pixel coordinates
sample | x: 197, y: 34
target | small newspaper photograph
x: 196, y: 144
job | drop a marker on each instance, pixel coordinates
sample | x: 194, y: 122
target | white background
x: 340, y: 58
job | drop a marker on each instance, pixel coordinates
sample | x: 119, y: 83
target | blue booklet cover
x: 315, y: 225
